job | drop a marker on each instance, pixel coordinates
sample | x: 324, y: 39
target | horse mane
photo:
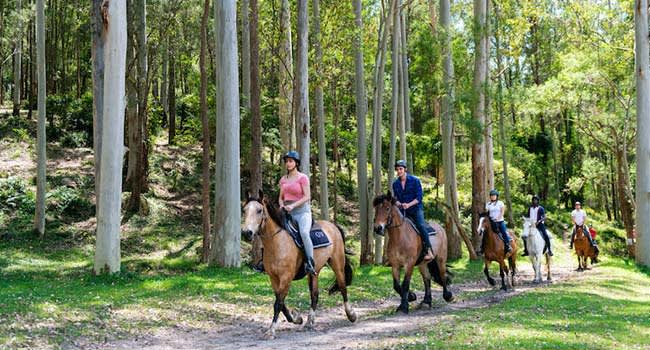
x: 277, y: 215
x: 381, y: 198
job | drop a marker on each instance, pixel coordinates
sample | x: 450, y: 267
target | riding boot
x: 309, y: 265
x: 525, y: 248
x: 428, y: 256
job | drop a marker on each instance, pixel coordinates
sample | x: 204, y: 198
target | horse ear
x: 388, y: 194
x: 261, y: 194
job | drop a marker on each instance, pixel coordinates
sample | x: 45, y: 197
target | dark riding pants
x: 542, y: 229
x: 418, y: 220
x: 501, y: 226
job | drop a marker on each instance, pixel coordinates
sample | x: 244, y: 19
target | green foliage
x: 15, y: 195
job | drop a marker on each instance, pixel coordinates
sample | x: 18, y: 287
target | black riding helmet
x: 293, y: 155
x: 535, y: 197
x: 494, y: 193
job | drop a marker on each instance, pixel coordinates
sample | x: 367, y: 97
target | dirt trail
x: 332, y: 331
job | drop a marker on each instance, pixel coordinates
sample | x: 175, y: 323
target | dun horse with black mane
x: 284, y: 261
x: 405, y: 250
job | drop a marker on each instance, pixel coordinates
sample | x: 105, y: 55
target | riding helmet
x: 494, y: 193
x: 400, y: 163
x: 535, y: 197
x: 293, y: 155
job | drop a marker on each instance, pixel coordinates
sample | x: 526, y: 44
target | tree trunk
x: 378, y: 106
x: 246, y: 56
x: 448, y: 140
x: 107, y: 251
x: 39, y: 223
x: 502, y: 127
x: 625, y: 197
x: 137, y: 146
x: 362, y: 146
x: 643, y: 129
x: 226, y: 243
x: 98, y: 41
x: 320, y: 113
x: 17, y: 62
x: 405, y: 85
x: 335, y: 152
x: 164, y: 86
x: 479, y: 174
x: 394, y: 95
x: 401, y: 106
x: 285, y: 103
x: 131, y: 96
x: 205, y: 123
x: 171, y: 95
x: 302, y: 87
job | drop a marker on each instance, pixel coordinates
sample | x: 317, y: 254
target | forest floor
x: 165, y: 299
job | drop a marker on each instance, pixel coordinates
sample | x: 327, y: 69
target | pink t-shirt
x: 292, y: 189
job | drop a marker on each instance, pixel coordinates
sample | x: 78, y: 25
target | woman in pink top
x: 295, y: 197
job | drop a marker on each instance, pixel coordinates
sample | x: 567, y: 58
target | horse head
x: 383, y: 205
x: 254, y: 215
x: 483, y: 223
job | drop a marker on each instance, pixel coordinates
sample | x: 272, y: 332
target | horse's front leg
x: 406, y: 294
x: 277, y: 307
x: 486, y: 271
x: 579, y: 263
x: 313, y: 291
x: 548, y: 268
x: 503, y: 272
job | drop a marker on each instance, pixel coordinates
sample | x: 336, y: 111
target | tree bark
x: 164, y: 86
x: 254, y: 103
x: 479, y: 174
x: 406, y: 85
x: 131, y: 95
x: 205, y: 123
x: 137, y: 146
x: 642, y: 49
x: 226, y: 243
x: 362, y: 146
x: 18, y: 62
x: 285, y: 103
x: 39, y: 223
x: 107, y: 251
x: 246, y: 34
x: 171, y: 95
x: 302, y: 87
x: 448, y: 140
x: 378, y: 106
x: 502, y: 122
x: 394, y: 95
x: 320, y: 113
x: 98, y: 42
x: 625, y: 197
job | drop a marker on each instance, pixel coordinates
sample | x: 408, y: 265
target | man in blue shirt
x: 408, y: 191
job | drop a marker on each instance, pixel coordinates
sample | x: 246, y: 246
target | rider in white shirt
x: 496, y: 209
x: 579, y: 216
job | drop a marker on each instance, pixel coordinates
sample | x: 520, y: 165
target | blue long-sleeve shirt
x: 412, y: 190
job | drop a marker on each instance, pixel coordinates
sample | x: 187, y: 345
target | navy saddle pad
x: 318, y: 238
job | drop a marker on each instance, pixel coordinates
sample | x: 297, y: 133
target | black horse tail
x: 348, y: 267
x: 434, y: 270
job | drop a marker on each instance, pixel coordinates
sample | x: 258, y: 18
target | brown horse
x: 404, y: 250
x: 284, y: 261
x: 493, y: 250
x: 583, y: 248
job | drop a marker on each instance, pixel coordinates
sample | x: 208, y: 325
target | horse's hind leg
x: 486, y: 271
x: 503, y: 271
x: 339, y: 268
x: 313, y: 291
x: 548, y: 268
x: 426, y: 278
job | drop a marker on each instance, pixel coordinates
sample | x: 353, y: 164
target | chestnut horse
x: 404, y: 250
x: 583, y: 248
x: 493, y: 250
x: 284, y: 261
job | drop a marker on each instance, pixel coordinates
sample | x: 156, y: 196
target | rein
x: 390, y: 219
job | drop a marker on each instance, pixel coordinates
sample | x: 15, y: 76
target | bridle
x: 265, y: 216
x: 389, y: 221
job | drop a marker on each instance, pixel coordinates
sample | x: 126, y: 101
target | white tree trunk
x: 643, y: 130
x: 395, y: 95
x: 39, y: 222
x: 18, y: 62
x: 302, y: 88
x: 362, y: 144
x: 226, y: 244
x: 285, y: 103
x: 405, y: 84
x: 320, y: 113
x: 107, y: 251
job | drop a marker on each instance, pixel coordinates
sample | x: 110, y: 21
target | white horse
x: 535, y: 245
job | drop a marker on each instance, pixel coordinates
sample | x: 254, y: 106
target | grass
x: 608, y: 308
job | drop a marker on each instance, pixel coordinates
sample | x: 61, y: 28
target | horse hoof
x: 492, y: 281
x: 412, y: 297
x: 402, y: 309
x: 352, y: 317
x: 424, y: 305
x: 269, y: 335
x: 448, y: 296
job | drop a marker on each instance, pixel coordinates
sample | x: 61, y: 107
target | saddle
x: 318, y: 238
x: 430, y: 230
